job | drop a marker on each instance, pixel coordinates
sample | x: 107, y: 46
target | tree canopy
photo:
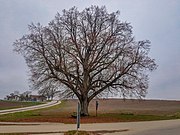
x: 87, y: 53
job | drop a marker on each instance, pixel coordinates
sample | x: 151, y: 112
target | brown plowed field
x: 110, y: 110
x: 152, y: 107
x: 15, y: 104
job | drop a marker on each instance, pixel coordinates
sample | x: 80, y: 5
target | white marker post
x: 78, y: 115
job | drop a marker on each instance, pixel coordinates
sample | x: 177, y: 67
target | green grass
x: 18, y: 115
x: 74, y: 132
x: 29, y: 114
x: 60, y: 111
x: 138, y: 117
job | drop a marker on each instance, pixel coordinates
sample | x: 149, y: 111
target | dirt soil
x: 11, y: 104
x: 63, y: 113
x: 151, y: 107
x: 4, y: 104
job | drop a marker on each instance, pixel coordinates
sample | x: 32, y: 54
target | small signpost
x: 97, y: 104
x: 78, y: 115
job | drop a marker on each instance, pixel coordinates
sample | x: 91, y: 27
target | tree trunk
x: 84, y: 107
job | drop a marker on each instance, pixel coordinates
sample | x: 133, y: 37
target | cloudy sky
x: 155, y: 20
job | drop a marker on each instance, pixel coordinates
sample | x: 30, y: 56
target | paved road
x: 162, y: 131
x: 167, y: 127
x: 49, y: 104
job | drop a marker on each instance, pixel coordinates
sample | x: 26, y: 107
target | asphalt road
x: 166, y: 127
x: 49, y: 104
x: 162, y: 131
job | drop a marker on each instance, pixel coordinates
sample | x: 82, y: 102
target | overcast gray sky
x: 155, y: 20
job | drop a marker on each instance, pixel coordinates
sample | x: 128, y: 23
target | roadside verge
x: 49, y: 104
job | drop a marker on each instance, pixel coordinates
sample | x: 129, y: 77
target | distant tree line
x: 25, y: 96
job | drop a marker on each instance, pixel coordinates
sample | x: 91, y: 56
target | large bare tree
x: 87, y: 54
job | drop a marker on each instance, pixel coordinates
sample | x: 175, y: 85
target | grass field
x: 110, y: 110
x: 16, y: 104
